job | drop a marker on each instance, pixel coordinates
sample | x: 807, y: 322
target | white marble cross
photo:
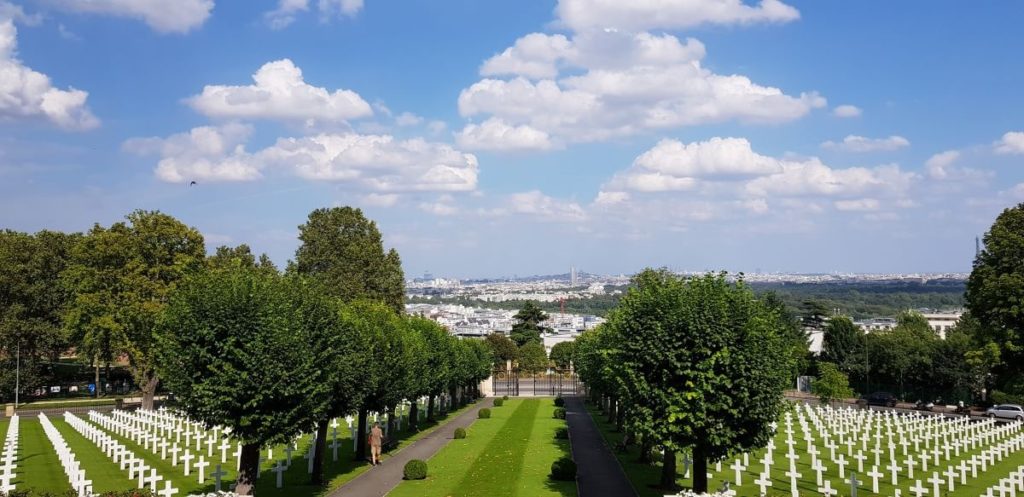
x: 279, y: 469
x: 201, y: 466
x: 827, y: 489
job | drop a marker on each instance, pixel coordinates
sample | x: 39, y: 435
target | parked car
x: 1006, y: 411
x: 881, y: 399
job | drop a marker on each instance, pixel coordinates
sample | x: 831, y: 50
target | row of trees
x: 691, y: 364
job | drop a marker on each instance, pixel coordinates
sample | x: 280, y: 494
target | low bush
x: 460, y: 433
x: 499, y: 402
x: 559, y: 402
x: 504, y: 397
x: 415, y: 469
x: 562, y: 433
x: 559, y: 413
x: 485, y: 413
x: 563, y: 469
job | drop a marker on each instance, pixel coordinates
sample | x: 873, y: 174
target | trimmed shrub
x: 485, y: 413
x: 504, y: 397
x: 460, y: 433
x: 415, y: 469
x: 559, y: 402
x: 559, y: 413
x: 499, y: 402
x: 563, y: 469
x: 562, y: 433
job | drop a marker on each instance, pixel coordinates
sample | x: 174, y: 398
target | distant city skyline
x: 508, y: 137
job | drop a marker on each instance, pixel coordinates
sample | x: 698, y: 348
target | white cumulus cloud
x: 163, y: 16
x: 813, y: 178
x: 286, y: 11
x: 854, y: 143
x: 534, y: 203
x: 206, y: 153
x: 1011, y: 143
x: 25, y: 93
x: 669, y: 14
x: 496, y: 134
x: 281, y: 93
x: 938, y: 165
x: 847, y: 111
x: 858, y: 205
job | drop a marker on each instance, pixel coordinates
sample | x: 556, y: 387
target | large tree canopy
x: 704, y: 358
x: 527, y: 327
x: 842, y: 345
x: 344, y: 248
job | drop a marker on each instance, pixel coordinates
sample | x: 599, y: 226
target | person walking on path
x: 376, y: 438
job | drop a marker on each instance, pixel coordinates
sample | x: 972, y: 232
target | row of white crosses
x: 116, y: 451
x: 935, y: 441
x: 1008, y: 487
x: 9, y: 457
x: 72, y: 468
x: 126, y: 425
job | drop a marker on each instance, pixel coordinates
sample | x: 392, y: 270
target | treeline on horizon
x: 859, y: 300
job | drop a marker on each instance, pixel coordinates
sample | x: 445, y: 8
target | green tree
x: 561, y: 354
x: 527, y: 327
x: 831, y: 384
x: 705, y: 358
x: 344, y: 248
x: 814, y: 314
x: 439, y: 344
x: 842, y: 345
x: 502, y: 348
x: 226, y: 257
x: 241, y: 348
x: 122, y: 277
x: 799, y: 342
x: 32, y: 302
x: 532, y: 358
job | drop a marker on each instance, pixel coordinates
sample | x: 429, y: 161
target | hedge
x: 485, y: 413
x: 415, y: 469
x: 563, y: 469
x: 559, y: 413
x: 460, y: 433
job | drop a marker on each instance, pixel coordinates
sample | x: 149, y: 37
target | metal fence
x: 551, y: 383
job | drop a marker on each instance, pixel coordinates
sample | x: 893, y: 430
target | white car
x: 1006, y: 411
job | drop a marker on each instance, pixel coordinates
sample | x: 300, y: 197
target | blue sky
x: 508, y: 137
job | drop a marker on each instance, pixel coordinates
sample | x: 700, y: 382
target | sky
x: 506, y: 137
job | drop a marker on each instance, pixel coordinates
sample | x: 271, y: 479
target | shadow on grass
x: 563, y: 488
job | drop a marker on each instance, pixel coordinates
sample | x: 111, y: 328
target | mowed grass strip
x: 498, y: 469
x: 38, y: 466
x: 543, y: 450
x: 106, y: 475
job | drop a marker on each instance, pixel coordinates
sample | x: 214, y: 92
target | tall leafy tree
x: 32, y: 302
x: 561, y: 354
x: 842, y: 345
x: 995, y: 295
x: 705, y: 358
x: 245, y: 349
x: 344, y: 248
x: 532, y: 358
x: 528, y: 324
x: 831, y: 384
x: 502, y: 348
x: 795, y: 334
x: 122, y: 277
x: 226, y: 257
x: 438, y: 343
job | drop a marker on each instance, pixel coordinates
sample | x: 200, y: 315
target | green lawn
x: 509, y: 454
x: 645, y: 476
x: 39, y: 468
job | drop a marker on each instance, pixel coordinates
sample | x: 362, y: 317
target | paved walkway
x: 378, y: 481
x: 598, y: 472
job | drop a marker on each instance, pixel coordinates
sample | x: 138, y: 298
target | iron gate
x: 552, y: 383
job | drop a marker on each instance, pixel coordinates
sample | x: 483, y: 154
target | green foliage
x: 504, y: 397
x: 831, y: 384
x: 563, y: 469
x: 226, y: 257
x: 995, y: 296
x: 561, y: 354
x: 702, y: 354
x: 344, y: 248
x: 235, y: 348
x: 532, y: 358
x: 559, y: 413
x: 562, y: 433
x: 484, y: 413
x: 842, y: 345
x: 439, y: 345
x: 796, y: 337
x: 32, y: 300
x: 499, y: 402
x: 122, y: 277
x: 559, y: 401
x: 527, y: 328
x: 70, y: 493
x: 460, y: 433
x: 415, y: 469
x: 502, y: 348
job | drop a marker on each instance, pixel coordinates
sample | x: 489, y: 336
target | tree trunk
x: 246, y: 481
x: 611, y: 410
x: 430, y: 409
x: 414, y: 414
x: 361, y: 435
x: 149, y: 392
x: 96, y: 391
x: 106, y: 380
x: 452, y: 392
x: 645, y: 450
x: 700, y: 470
x: 317, y: 478
x: 393, y: 422
x: 668, y: 471
x: 620, y: 418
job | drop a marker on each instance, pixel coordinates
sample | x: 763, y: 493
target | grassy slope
x: 507, y: 455
x: 643, y: 475
x: 38, y: 465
